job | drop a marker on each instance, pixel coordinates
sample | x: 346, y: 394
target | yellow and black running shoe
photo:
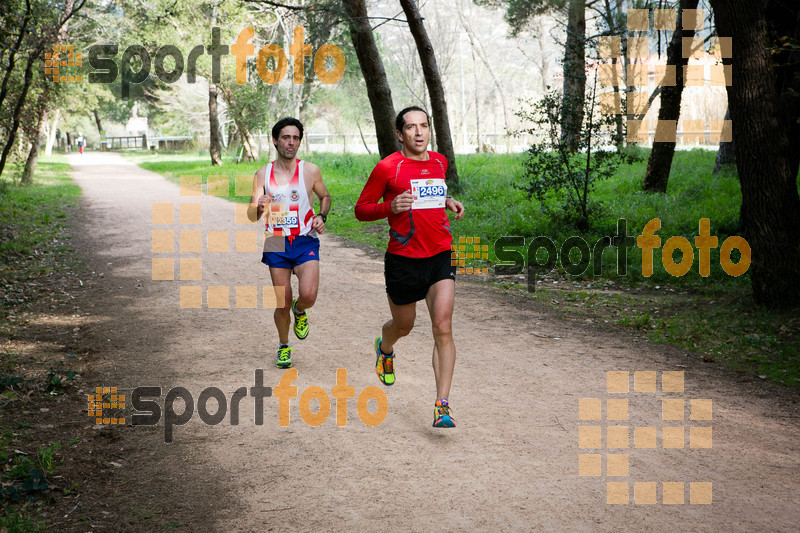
x: 384, y: 364
x: 284, y: 359
x: 300, y: 322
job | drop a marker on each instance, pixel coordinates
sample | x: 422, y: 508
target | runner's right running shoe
x: 284, y: 359
x: 441, y: 415
x: 384, y: 364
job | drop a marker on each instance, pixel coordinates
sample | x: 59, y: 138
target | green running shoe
x: 284, y: 359
x: 300, y: 322
x: 384, y: 364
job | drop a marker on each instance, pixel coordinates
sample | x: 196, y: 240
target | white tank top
x: 290, y: 214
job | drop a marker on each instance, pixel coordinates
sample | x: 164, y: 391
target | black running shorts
x: 409, y: 278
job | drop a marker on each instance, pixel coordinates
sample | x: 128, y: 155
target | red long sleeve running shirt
x: 424, y: 231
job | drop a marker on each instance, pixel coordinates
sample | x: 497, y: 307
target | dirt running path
x: 513, y: 462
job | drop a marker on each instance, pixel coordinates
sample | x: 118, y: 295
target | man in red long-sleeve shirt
x: 417, y: 261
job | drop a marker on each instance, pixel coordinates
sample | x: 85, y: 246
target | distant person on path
x: 283, y: 190
x: 81, y: 141
x: 417, y: 261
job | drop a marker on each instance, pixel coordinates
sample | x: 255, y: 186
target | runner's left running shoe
x: 441, y: 415
x: 300, y: 322
x: 284, y: 359
x: 384, y: 364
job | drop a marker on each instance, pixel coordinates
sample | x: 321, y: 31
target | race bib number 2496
x: 428, y: 193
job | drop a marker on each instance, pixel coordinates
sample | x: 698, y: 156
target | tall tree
x: 51, y: 29
x: 215, y: 136
x: 660, y: 161
x: 378, y: 90
x: 24, y: 19
x: 33, y: 153
x: 214, y: 133
x: 51, y: 136
x: 574, y: 87
x: 441, y: 122
x: 238, y: 111
x: 726, y: 153
x: 764, y: 110
x: 520, y: 14
x: 614, y: 20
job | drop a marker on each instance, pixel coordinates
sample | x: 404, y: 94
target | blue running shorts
x: 302, y: 248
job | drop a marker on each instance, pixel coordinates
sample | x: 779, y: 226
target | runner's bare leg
x: 440, y: 300
x: 282, y: 277
x: 308, y: 281
x: 400, y: 325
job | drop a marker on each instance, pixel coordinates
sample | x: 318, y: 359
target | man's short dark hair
x: 400, y: 121
x: 286, y: 121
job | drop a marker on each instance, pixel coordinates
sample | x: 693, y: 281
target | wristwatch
x: 324, y: 217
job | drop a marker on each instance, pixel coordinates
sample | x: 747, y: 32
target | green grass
x: 714, y: 316
x: 35, y: 256
x: 33, y: 237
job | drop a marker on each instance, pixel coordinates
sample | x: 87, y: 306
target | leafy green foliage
x: 27, y: 476
x: 555, y: 172
x: 58, y: 376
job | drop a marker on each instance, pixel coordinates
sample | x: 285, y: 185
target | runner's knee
x: 309, y: 297
x: 404, y: 329
x: 442, y: 328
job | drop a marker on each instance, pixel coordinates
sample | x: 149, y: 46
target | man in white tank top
x: 282, y: 189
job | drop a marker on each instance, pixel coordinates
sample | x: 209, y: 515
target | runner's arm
x: 258, y: 200
x: 320, y: 189
x: 322, y: 193
x: 455, y: 206
x: 368, y: 208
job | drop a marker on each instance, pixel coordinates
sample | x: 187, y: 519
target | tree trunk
x: 36, y: 146
x: 441, y: 121
x: 763, y: 136
x: 660, y: 161
x: 51, y: 139
x: 13, y: 54
x: 97, y: 121
x: 615, y: 23
x: 574, y: 75
x: 544, y: 64
x: 363, y: 140
x: 214, y: 141
x: 378, y: 91
x: 46, y: 40
x: 250, y: 152
x: 726, y: 154
x: 26, y: 85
